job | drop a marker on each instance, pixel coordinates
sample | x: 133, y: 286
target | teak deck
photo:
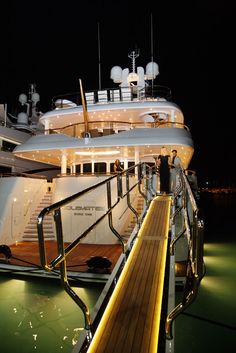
x: 131, y: 320
x: 26, y: 254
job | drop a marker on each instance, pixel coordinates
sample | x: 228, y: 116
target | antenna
x: 152, y: 52
x: 133, y: 56
x: 99, y: 60
x: 151, y: 39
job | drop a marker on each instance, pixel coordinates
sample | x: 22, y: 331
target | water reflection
x: 39, y: 315
x: 212, y: 315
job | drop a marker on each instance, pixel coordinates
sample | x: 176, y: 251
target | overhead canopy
x: 49, y: 148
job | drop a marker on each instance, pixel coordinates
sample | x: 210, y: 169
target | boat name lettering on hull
x: 84, y: 208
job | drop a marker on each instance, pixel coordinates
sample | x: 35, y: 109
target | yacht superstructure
x: 130, y: 122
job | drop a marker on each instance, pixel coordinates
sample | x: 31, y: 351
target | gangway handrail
x: 194, y: 231
x: 63, y: 252
x: 61, y: 203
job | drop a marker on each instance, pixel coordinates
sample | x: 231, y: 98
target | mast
x: 151, y: 39
x: 133, y: 56
x: 86, y: 129
x: 99, y: 60
x: 152, y: 51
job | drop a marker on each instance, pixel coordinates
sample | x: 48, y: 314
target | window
x: 100, y: 167
x: 87, y: 167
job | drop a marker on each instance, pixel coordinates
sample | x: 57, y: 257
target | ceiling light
x: 87, y: 153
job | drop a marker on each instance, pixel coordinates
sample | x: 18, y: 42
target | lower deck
x: 25, y: 255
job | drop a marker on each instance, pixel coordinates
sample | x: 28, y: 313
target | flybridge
x: 136, y: 84
x: 135, y: 77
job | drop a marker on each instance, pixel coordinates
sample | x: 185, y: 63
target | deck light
x: 87, y: 153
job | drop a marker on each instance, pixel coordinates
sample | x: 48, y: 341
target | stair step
x: 34, y: 226
x: 35, y: 215
x: 30, y: 231
x: 36, y: 238
x: 46, y: 221
x: 35, y: 234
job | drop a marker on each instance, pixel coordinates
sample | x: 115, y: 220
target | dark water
x: 209, y: 324
x: 219, y: 212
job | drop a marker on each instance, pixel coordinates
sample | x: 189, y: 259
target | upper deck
x: 116, y: 109
x: 83, y: 128
x: 131, y: 121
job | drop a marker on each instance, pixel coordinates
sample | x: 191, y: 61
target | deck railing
x: 193, y: 228
x: 113, y: 95
x: 60, y: 259
x: 108, y: 127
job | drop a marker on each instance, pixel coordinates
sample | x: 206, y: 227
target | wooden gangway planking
x: 131, y: 321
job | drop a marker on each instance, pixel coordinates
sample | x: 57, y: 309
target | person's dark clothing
x: 164, y: 172
x: 119, y: 168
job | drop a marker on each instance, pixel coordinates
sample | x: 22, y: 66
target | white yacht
x: 89, y: 206
x: 16, y: 128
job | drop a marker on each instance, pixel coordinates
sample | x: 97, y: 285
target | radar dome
x: 152, y: 70
x: 116, y: 74
x: 22, y: 118
x: 22, y: 98
x: 35, y: 97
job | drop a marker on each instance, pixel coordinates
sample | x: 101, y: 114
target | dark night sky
x: 54, y: 44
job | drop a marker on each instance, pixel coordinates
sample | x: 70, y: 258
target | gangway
x: 131, y: 320
x: 141, y: 299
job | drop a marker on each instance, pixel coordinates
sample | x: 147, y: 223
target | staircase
x: 31, y: 232
x: 138, y: 206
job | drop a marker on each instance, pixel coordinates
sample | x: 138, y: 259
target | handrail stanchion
x: 142, y: 175
x: 128, y: 199
x: 119, y: 186
x: 109, y: 204
x: 63, y: 271
x: 193, y: 228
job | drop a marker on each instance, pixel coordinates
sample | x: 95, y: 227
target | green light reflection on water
x: 215, y: 302
x: 39, y: 315
x: 219, y: 285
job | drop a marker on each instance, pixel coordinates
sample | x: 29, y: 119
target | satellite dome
x: 22, y: 98
x: 35, y: 97
x: 22, y: 118
x: 116, y: 74
x: 152, y: 70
